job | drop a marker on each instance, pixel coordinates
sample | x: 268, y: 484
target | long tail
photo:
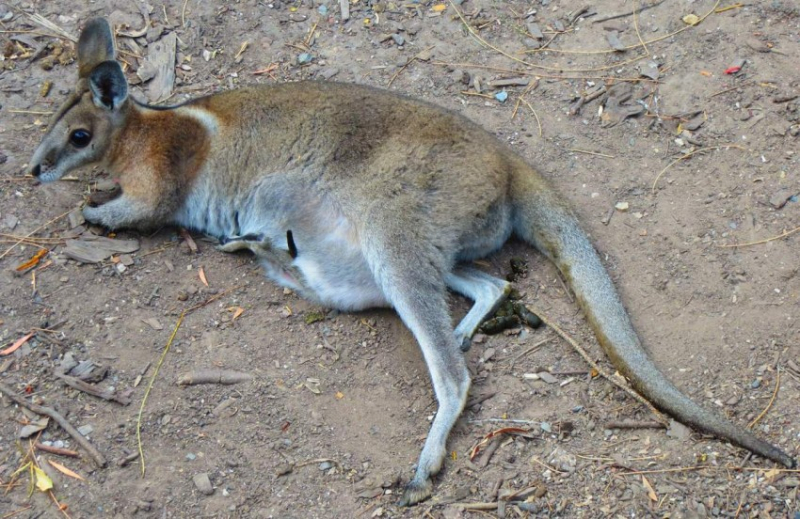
x: 544, y: 220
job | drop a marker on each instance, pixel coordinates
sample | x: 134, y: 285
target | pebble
x: 203, y: 483
x: 398, y: 39
x: 304, y: 58
x: 191, y: 457
x: 325, y: 465
x: 85, y: 430
x: 755, y: 384
x: 547, y: 377
x: 622, y: 206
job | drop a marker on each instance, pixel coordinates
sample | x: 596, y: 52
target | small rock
x: 325, y: 465
x: 755, y: 384
x: 328, y: 72
x: 203, y: 483
x: 613, y: 39
x: 501, y: 96
x: 85, y: 430
x: 304, y: 58
x: 622, y: 206
x: 547, y: 377
x: 323, y: 10
x: 678, y: 431
x: 757, y: 45
x: 546, y: 427
x: 779, y: 199
x: 398, y: 39
x: 488, y: 354
x: 191, y: 457
x: 562, y: 460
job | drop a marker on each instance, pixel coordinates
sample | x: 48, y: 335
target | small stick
x: 98, y: 458
x: 628, y: 13
x: 771, y: 400
x: 636, y: 26
x: 505, y: 420
x: 31, y: 112
x: 532, y: 349
x: 476, y: 506
x: 686, y: 156
x: 183, y: 13
x: 633, y: 424
x: 80, y: 385
x: 3, y: 255
x: 538, y: 122
x: 213, y: 376
x: 662, y: 471
x: 123, y: 462
x: 759, y: 242
x: 587, y: 152
x: 57, y: 450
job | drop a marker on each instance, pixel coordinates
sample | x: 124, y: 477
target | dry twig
x: 759, y: 242
x: 771, y: 400
x: 98, y: 458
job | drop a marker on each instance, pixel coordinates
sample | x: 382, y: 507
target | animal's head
x: 82, y: 130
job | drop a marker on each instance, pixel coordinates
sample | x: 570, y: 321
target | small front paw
x: 93, y: 214
x: 416, y: 492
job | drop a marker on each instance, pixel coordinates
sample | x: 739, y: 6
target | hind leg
x: 412, y: 280
x: 488, y: 293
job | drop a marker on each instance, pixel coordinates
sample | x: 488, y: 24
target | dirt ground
x: 332, y: 421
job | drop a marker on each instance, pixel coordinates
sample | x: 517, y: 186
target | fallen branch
x: 98, y: 458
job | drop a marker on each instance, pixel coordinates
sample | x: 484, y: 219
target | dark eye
x: 80, y: 138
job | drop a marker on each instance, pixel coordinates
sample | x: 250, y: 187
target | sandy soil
x: 333, y: 419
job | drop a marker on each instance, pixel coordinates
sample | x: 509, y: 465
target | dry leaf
x: 237, y: 311
x: 33, y: 261
x: 14, y: 347
x: 650, y: 492
x: 202, y: 274
x: 771, y: 474
x: 64, y: 470
x: 339, y: 395
x: 691, y: 19
x: 43, y: 481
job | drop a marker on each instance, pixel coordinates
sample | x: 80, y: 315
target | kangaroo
x: 355, y: 197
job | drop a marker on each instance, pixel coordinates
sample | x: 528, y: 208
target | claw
x: 416, y: 492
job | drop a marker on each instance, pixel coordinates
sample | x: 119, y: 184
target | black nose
x: 37, y: 170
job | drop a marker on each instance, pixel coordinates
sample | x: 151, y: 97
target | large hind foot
x: 416, y: 492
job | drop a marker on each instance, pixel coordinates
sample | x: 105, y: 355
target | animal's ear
x: 108, y: 85
x: 95, y: 46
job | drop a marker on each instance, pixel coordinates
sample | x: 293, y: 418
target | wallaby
x: 355, y: 197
